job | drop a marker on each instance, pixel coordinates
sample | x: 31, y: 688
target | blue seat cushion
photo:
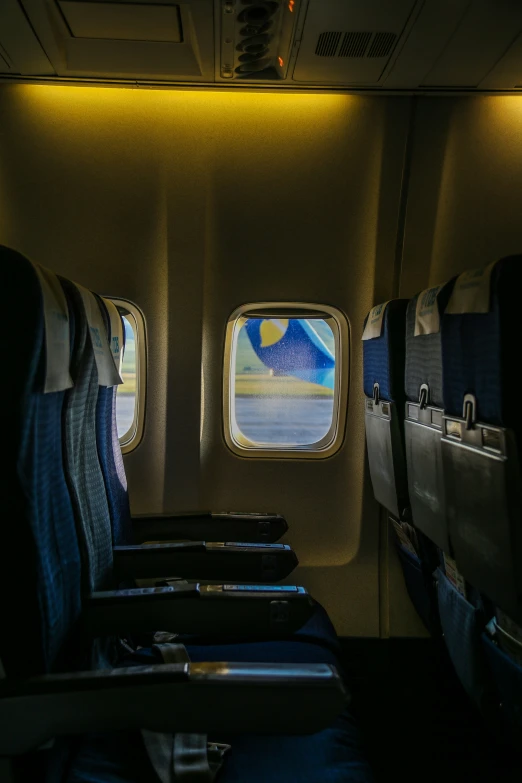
x: 317, y: 630
x: 334, y: 755
x: 118, y: 757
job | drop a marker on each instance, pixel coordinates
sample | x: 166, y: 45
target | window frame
x: 238, y: 443
x: 132, y: 438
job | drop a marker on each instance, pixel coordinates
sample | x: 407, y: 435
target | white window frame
x: 332, y: 441
x: 132, y: 438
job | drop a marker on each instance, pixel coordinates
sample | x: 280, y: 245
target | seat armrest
x: 255, y: 610
x: 189, y: 697
x: 209, y: 526
x: 229, y: 561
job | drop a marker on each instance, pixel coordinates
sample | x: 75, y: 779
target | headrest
x: 116, y: 338
x: 427, y: 317
x: 428, y: 306
x: 108, y: 374
x: 57, y: 337
x: 472, y: 292
x: 375, y: 321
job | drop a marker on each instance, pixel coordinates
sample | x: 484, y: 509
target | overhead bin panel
x: 426, y: 39
x: 507, y: 73
x: 414, y: 45
x: 350, y: 43
x: 5, y: 66
x: 460, y: 44
x: 481, y: 39
x: 20, y: 50
x: 122, y: 21
x: 144, y: 40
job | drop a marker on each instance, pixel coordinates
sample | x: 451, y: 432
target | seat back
x: 482, y: 431
x: 40, y: 565
x: 83, y: 471
x: 383, y: 372
x: 424, y: 411
x: 109, y: 450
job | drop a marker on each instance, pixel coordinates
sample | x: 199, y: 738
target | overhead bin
x: 414, y: 45
x: 122, y: 21
x: 20, y: 50
x: 350, y: 43
x: 508, y: 70
x: 5, y: 65
x: 131, y: 39
x: 457, y: 44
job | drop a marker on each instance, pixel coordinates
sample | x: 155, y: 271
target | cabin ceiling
x: 397, y: 45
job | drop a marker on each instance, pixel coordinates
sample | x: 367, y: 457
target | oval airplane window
x: 285, y: 378
x: 130, y: 397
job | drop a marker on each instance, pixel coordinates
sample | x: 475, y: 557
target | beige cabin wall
x: 465, y: 189
x: 190, y: 204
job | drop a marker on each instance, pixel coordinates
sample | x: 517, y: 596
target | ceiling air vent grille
x: 354, y: 44
x: 327, y: 44
x: 382, y: 45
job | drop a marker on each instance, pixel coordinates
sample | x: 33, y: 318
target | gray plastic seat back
x: 383, y: 371
x: 423, y: 413
x: 482, y: 430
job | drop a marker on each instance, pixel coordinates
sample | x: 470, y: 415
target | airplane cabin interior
x: 261, y: 275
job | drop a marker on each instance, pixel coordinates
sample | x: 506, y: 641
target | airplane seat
x: 263, y: 562
x: 383, y: 375
x: 90, y: 492
x: 480, y: 596
x: 316, y: 629
x: 383, y: 368
x: 424, y: 411
x: 82, y: 466
x: 42, y: 556
x: 315, y: 641
x: 422, y: 433
x: 109, y: 451
x: 330, y: 756
x: 43, y: 573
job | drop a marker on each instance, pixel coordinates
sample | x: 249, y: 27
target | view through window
x: 126, y: 395
x: 284, y: 385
